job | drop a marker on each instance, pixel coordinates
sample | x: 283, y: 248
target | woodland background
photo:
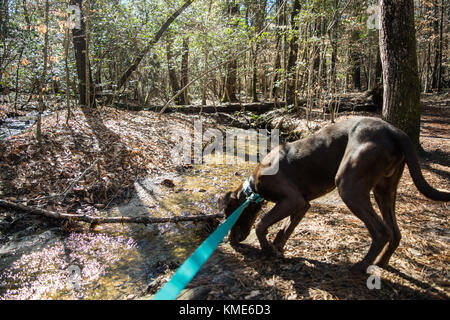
x: 250, y: 50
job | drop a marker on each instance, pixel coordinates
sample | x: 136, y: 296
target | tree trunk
x: 172, y: 73
x: 438, y: 27
x: 81, y: 59
x: 277, y: 62
x: 43, y: 76
x: 355, y: 60
x: 378, y: 68
x: 333, y: 36
x: 185, y: 69
x: 231, y: 77
x: 293, y: 51
x: 4, y: 10
x: 4, y: 16
x: 67, y: 71
x: 205, y: 79
x: 258, y: 7
x: 254, y: 74
x: 401, y: 100
x: 124, y: 78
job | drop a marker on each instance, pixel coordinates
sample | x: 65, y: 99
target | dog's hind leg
x: 359, y: 204
x: 385, y: 194
x: 289, y: 227
x: 357, y: 174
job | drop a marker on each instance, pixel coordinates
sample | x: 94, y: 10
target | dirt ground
x: 317, y: 256
x: 330, y: 238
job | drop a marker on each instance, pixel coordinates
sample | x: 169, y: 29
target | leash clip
x: 249, y: 193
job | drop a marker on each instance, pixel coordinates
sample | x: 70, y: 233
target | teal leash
x: 192, y: 265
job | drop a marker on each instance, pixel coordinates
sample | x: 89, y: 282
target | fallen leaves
x: 124, y: 142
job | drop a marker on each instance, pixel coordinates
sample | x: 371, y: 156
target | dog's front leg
x: 281, y: 210
x: 289, y: 227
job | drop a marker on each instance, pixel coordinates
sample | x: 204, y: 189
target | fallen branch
x: 103, y: 220
x: 256, y: 107
x: 69, y: 189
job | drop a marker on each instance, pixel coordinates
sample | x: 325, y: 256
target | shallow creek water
x: 117, y: 261
x: 18, y: 124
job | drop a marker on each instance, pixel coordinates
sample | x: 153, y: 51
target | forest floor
x: 133, y: 145
x: 330, y: 238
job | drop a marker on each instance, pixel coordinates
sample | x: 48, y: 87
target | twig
x: 69, y: 188
x: 102, y: 220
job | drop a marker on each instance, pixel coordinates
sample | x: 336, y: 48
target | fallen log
x: 360, y: 103
x: 103, y: 220
x: 256, y: 107
x: 354, y: 107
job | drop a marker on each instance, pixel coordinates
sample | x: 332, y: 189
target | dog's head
x: 229, y: 203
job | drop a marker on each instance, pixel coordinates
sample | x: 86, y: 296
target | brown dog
x: 356, y: 156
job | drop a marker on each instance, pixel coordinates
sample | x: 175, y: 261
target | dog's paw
x: 359, y: 268
x: 271, y: 252
x: 383, y: 263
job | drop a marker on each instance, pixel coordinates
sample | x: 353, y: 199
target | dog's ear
x: 225, y: 200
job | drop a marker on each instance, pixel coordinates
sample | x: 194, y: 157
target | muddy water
x: 118, y: 261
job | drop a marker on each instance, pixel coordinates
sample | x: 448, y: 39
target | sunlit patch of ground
x: 117, y: 262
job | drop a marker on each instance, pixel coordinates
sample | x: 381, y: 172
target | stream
x: 12, y: 126
x: 117, y: 261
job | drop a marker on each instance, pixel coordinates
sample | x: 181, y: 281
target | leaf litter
x: 317, y: 256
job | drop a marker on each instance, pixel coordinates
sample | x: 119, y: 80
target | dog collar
x: 249, y: 193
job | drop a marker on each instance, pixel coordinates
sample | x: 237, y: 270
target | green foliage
x: 120, y: 30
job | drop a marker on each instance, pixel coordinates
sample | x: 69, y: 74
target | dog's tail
x: 412, y: 161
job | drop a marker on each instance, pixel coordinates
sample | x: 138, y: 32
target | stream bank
x: 134, y: 261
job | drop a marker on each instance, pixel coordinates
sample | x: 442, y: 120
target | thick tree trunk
x: 401, y: 100
x: 230, y: 83
x: 82, y: 60
x: 277, y: 67
x: 172, y: 73
x: 4, y: 16
x: 258, y: 8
